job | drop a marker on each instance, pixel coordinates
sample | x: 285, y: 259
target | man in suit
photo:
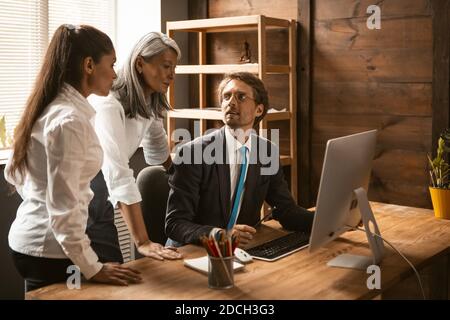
x: 220, y: 180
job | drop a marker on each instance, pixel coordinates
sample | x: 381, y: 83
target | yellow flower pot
x: 441, y: 202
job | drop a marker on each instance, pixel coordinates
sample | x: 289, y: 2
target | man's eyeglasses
x: 240, y: 97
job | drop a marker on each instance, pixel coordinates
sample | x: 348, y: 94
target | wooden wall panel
x: 304, y: 93
x: 342, y: 9
x: 285, y: 9
x: 441, y: 68
x: 407, y: 33
x: 380, y: 65
x: 395, y: 132
x: 376, y: 79
x: 373, y: 98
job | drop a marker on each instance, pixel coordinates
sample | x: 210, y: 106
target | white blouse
x: 120, y: 137
x: 64, y: 155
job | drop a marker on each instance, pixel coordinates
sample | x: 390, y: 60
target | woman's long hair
x: 63, y: 62
x: 129, y: 84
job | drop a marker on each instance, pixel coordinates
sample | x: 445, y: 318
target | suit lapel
x: 223, y: 173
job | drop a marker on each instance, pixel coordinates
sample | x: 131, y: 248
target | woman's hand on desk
x: 244, y: 232
x: 159, y: 252
x: 115, y: 273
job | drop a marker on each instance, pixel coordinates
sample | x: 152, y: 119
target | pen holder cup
x: 220, y: 272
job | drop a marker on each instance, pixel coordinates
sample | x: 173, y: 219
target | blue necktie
x: 239, y: 188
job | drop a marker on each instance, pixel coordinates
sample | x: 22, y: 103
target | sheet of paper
x: 201, y: 264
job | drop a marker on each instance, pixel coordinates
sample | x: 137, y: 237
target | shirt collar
x: 82, y: 103
x: 233, y: 144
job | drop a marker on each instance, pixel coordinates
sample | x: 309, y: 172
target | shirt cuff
x: 88, y: 263
x: 156, y: 158
x: 127, y: 194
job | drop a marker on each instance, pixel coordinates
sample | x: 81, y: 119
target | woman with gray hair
x: 131, y: 116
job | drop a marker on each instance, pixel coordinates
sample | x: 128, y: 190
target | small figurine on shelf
x: 247, y: 56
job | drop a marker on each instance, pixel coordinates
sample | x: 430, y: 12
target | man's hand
x: 159, y: 252
x: 244, y: 233
x: 115, y: 273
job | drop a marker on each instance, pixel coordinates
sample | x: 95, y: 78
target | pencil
x: 267, y: 216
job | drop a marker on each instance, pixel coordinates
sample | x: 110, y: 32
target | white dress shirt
x: 64, y: 155
x: 120, y: 137
x: 235, y: 160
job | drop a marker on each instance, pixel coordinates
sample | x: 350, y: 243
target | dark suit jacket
x: 199, y: 197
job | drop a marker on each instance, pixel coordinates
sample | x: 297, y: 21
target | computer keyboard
x: 280, y: 247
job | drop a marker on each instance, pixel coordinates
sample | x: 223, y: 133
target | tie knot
x: 243, y: 150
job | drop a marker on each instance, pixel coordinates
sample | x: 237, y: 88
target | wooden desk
x: 415, y: 232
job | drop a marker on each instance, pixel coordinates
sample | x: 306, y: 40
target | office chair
x: 153, y: 185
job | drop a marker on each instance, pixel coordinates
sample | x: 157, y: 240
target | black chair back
x: 154, y: 188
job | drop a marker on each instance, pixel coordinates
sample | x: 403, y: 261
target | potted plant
x: 440, y: 178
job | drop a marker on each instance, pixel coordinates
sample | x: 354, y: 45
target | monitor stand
x: 375, y: 243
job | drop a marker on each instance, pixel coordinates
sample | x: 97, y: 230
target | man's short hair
x: 259, y: 90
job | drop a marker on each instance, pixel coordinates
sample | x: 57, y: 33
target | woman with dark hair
x: 55, y: 155
x: 131, y: 116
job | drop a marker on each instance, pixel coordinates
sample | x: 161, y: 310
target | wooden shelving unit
x: 202, y: 112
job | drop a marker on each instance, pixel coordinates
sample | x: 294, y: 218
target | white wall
x: 134, y: 19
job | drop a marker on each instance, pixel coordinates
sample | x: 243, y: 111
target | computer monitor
x: 342, y: 200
